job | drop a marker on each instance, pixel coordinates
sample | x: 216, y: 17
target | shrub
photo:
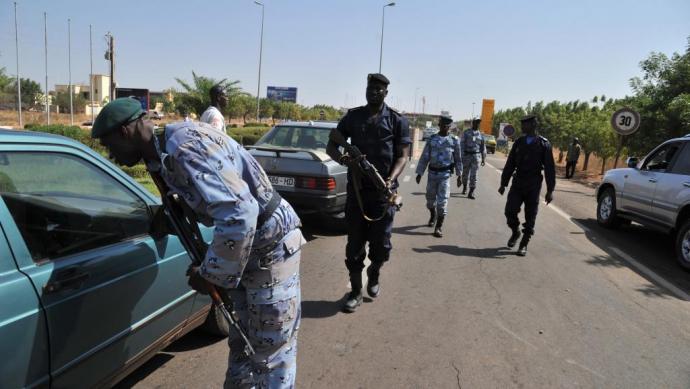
x: 253, y: 124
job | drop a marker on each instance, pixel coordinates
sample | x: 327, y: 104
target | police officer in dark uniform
x: 530, y: 155
x: 383, y: 136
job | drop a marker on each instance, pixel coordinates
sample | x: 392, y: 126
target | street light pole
x: 47, y: 96
x: 69, y: 67
x: 261, y: 50
x: 91, y: 75
x: 472, y: 111
x: 414, y: 110
x: 383, y: 18
x: 19, y: 84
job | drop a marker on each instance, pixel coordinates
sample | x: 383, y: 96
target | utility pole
x: 45, y: 35
x: 110, y: 55
x: 19, y: 84
x: 69, y: 66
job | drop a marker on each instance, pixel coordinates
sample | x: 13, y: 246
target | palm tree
x: 195, y: 96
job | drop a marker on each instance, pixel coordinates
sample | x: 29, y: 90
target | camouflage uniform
x: 259, y: 265
x: 473, y: 152
x: 441, y: 154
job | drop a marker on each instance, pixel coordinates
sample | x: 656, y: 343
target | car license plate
x: 282, y: 181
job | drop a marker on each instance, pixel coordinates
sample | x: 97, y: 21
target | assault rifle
x: 366, y: 169
x: 185, y: 226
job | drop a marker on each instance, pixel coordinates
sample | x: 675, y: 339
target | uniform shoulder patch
x: 544, y: 140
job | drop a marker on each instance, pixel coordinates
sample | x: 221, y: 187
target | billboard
x: 140, y: 94
x: 487, y: 115
x: 282, y: 93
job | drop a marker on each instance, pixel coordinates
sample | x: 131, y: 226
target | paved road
x: 464, y: 311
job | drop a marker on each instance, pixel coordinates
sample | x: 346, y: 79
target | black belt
x: 273, y: 203
x: 448, y: 168
x: 471, y: 152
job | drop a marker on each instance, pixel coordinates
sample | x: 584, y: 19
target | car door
x: 79, y: 231
x: 23, y: 333
x: 640, y: 184
x: 673, y: 187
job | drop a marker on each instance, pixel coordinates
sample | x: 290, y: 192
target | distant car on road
x: 293, y: 154
x: 88, y: 291
x: 490, y: 143
x: 654, y: 192
x: 429, y: 132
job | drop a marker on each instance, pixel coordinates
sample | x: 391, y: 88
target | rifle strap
x: 358, y: 195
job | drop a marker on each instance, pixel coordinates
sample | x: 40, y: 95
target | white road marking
x: 406, y: 178
x: 645, y: 270
x: 572, y: 362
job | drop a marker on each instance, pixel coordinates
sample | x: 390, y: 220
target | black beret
x: 529, y: 118
x: 445, y: 119
x: 377, y: 77
x: 115, y: 114
x: 477, y: 120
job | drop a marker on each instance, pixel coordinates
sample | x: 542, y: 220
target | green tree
x: 62, y: 100
x: 30, y: 91
x: 195, y: 96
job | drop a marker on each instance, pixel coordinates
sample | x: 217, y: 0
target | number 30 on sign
x: 625, y: 121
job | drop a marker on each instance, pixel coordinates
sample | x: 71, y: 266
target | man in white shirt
x: 213, y: 115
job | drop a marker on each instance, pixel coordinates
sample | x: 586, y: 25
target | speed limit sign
x: 625, y: 121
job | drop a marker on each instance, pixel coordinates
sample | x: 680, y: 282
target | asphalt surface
x: 587, y: 307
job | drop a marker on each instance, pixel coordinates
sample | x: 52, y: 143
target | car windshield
x: 305, y: 138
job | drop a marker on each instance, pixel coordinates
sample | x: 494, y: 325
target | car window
x: 310, y: 138
x: 662, y: 158
x: 682, y: 164
x: 64, y: 205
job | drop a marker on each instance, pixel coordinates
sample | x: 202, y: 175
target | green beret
x: 445, y: 119
x: 115, y: 114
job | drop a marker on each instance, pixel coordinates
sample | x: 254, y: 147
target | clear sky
x: 453, y: 53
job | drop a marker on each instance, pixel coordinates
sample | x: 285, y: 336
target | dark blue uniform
x: 380, y: 137
x: 525, y: 164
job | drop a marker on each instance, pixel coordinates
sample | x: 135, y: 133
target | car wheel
x: 215, y: 323
x: 683, y: 245
x: 606, y: 209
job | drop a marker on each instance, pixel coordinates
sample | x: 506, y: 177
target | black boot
x: 471, y: 194
x: 354, y: 299
x: 514, y: 237
x: 439, y: 223
x: 522, y: 250
x: 373, y: 286
x: 464, y: 188
x: 432, y: 218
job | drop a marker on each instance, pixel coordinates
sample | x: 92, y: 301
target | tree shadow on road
x: 482, y: 253
x: 651, y: 249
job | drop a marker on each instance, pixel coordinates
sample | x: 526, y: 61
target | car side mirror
x: 160, y: 223
x: 632, y: 162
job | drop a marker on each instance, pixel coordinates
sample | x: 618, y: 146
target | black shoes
x: 522, y: 250
x: 373, y: 286
x: 464, y: 189
x: 514, y: 237
x: 432, y: 219
x: 438, y: 232
x: 471, y: 194
x: 354, y: 300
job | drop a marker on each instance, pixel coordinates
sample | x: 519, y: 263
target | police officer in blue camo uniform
x: 442, y: 154
x: 255, y: 252
x: 383, y: 135
x: 473, y: 154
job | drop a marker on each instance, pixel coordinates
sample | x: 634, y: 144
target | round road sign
x: 625, y: 121
x: 509, y: 130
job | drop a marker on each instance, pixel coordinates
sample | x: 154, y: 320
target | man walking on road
x: 213, y: 114
x: 442, y: 154
x: 572, y: 157
x: 383, y: 136
x: 255, y: 252
x: 473, y: 153
x: 530, y: 155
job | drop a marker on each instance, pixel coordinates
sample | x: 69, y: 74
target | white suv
x: 655, y: 194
